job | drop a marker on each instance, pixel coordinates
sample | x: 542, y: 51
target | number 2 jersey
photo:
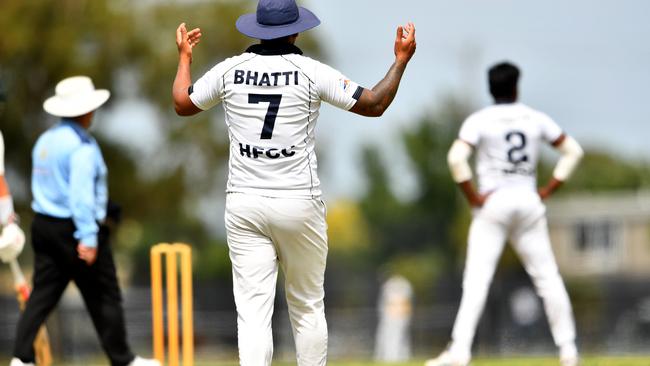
x: 507, y: 139
x: 271, y: 96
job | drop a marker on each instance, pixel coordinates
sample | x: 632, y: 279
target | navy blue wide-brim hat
x: 276, y: 19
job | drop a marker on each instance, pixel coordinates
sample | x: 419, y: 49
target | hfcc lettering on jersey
x: 257, y: 78
x: 256, y: 152
x: 521, y: 170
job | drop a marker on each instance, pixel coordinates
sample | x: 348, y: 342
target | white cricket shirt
x: 271, y: 96
x: 507, y: 140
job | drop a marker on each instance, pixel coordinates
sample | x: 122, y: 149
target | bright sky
x: 585, y: 63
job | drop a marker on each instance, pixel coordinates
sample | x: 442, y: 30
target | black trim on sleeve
x: 357, y: 93
x: 190, y: 90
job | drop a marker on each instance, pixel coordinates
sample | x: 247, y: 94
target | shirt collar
x: 76, y: 127
x: 274, y: 49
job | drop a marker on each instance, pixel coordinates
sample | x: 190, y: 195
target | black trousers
x: 56, y: 263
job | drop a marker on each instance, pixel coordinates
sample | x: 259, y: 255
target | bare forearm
x: 183, y: 75
x: 474, y: 198
x: 182, y: 82
x: 375, y: 102
x: 469, y: 192
x: 553, y: 185
x: 386, y: 89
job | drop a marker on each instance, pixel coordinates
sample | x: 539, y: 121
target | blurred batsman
x: 12, y: 238
x: 507, y: 138
x: 69, y: 238
x: 271, y: 95
x: 12, y: 241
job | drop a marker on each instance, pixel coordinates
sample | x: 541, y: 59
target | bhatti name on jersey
x: 257, y: 78
x: 255, y: 152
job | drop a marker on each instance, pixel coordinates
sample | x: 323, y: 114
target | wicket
x: 173, y: 253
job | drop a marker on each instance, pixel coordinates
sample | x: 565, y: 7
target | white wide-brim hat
x: 74, y: 97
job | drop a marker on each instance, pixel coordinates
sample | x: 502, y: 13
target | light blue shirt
x: 69, y: 179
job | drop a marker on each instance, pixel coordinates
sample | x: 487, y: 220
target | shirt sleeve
x: 336, y: 89
x: 209, y: 89
x: 470, y: 132
x: 82, y: 194
x: 550, y: 130
x: 2, y: 155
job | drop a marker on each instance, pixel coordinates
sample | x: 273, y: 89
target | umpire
x: 69, y: 240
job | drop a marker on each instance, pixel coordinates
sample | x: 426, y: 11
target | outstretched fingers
x: 194, y: 36
x: 405, y: 43
x: 408, y: 33
x: 196, y: 32
x: 410, y: 28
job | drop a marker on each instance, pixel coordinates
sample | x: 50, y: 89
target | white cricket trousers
x: 517, y: 215
x: 264, y: 233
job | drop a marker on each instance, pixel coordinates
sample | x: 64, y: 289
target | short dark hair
x: 503, y: 78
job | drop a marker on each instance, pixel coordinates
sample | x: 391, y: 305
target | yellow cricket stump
x: 173, y: 253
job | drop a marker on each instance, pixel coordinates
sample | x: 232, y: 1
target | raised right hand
x: 405, y: 44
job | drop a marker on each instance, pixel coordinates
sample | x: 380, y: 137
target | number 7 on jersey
x: 271, y: 114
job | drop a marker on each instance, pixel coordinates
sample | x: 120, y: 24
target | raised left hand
x: 185, y: 41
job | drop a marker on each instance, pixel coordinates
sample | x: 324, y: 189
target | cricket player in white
x: 12, y: 238
x: 271, y: 96
x: 508, y: 207
x: 6, y: 202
